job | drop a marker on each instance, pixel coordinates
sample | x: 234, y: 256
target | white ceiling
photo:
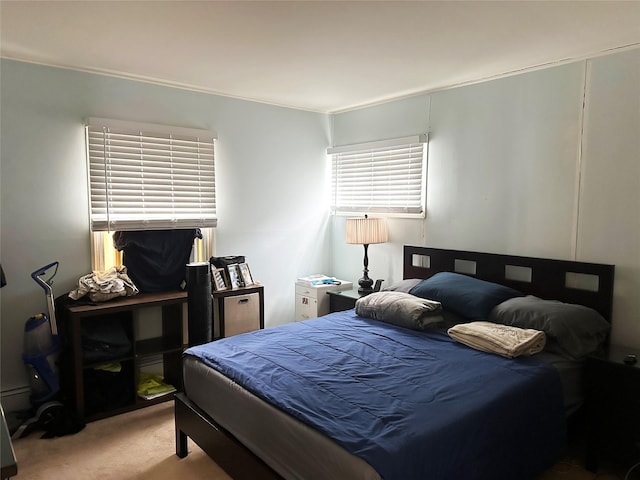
x: 324, y: 56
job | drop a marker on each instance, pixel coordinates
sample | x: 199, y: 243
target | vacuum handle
x: 46, y: 286
x: 41, y: 271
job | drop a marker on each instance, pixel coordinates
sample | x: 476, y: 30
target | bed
x: 349, y: 396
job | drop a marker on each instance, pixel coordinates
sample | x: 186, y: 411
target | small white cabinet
x: 313, y: 301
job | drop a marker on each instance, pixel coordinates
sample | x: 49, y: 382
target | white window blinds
x: 150, y: 177
x: 383, y: 177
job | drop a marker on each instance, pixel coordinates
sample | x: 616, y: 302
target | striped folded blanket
x: 501, y: 339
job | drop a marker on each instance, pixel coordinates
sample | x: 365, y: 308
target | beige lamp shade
x: 366, y: 231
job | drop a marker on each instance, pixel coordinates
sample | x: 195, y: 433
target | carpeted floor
x: 135, y: 445
x: 141, y: 445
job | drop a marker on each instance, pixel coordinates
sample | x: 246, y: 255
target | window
x: 145, y: 177
x: 148, y: 177
x: 382, y: 177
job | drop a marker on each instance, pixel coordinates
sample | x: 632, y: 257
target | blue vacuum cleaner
x: 40, y: 356
x: 42, y: 345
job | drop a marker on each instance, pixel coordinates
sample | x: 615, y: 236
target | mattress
x: 244, y: 412
x: 251, y: 420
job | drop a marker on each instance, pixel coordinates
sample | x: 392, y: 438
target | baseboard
x: 16, y: 399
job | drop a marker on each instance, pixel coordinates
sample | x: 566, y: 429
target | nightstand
x: 613, y: 408
x: 344, y: 300
x: 312, y: 300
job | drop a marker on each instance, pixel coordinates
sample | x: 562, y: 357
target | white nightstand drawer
x: 309, y: 291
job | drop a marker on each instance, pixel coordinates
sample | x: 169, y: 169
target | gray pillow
x: 400, y: 308
x: 573, y: 331
x: 450, y: 318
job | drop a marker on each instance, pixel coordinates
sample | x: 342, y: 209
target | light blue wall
x: 609, y: 223
x: 272, y: 180
x: 517, y: 167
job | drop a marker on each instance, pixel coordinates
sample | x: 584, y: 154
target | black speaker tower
x: 199, y: 303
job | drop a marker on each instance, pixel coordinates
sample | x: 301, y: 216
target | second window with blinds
x: 386, y: 177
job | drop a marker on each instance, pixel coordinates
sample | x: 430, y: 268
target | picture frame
x: 218, y: 279
x: 235, y: 279
x: 245, y: 273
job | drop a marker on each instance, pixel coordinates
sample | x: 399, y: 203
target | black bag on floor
x: 59, y: 420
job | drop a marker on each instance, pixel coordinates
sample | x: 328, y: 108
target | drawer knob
x: 243, y: 300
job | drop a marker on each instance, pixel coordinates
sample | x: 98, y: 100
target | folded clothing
x: 151, y: 386
x: 105, y: 338
x: 501, y: 339
x: 103, y: 286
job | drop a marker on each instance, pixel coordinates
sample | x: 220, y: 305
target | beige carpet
x: 135, y: 445
x: 141, y: 445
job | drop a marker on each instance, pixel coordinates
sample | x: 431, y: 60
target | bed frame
x: 588, y: 284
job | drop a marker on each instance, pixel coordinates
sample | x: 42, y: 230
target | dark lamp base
x: 366, y: 286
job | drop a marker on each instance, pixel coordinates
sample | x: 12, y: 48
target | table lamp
x: 365, y: 231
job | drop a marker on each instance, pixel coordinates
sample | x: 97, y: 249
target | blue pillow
x: 463, y: 295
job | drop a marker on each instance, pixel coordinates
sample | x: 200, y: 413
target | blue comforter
x: 414, y: 405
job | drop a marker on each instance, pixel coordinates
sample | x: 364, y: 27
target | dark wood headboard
x: 589, y: 284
